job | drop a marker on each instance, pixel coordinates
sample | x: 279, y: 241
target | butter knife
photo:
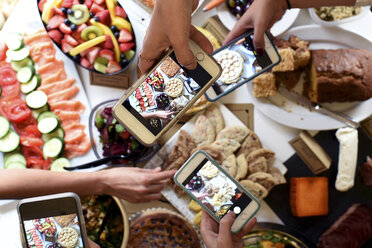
x: 300, y: 99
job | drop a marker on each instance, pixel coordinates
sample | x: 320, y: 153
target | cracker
x: 230, y: 165
x: 255, y: 189
x: 216, y: 117
x: 237, y: 133
x: 203, y: 132
x: 242, y: 166
x: 265, y: 179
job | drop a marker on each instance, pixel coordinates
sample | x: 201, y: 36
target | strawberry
x: 58, y: 11
x: 77, y: 36
x: 84, y: 62
x: 112, y: 67
x: 125, y: 36
x: 65, y: 46
x: 56, y: 35
x: 55, y: 21
x: 75, y: 2
x: 119, y: 11
x: 41, y: 5
x: 92, y: 54
x: 70, y: 40
x: 64, y: 28
x: 99, y: 1
x: 104, y: 17
x: 67, y: 3
x: 96, y: 8
x: 81, y: 27
x: 107, y: 54
x: 88, y: 3
x: 108, y: 44
x: 125, y: 47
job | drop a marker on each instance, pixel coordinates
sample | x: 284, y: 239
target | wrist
x: 99, y: 182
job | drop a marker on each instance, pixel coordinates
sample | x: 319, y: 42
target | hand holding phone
x: 215, y: 190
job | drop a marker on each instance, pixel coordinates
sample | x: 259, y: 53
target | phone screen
x: 215, y: 190
x: 239, y: 63
x: 53, y: 231
x: 164, y: 93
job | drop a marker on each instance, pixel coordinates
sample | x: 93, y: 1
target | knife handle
x: 341, y: 117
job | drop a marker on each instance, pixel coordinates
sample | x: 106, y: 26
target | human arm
x: 131, y: 184
x: 219, y: 235
x: 170, y: 26
x: 158, y: 114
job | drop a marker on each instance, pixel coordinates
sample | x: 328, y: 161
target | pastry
x: 209, y: 170
x: 350, y: 230
x: 366, y: 172
x: 277, y: 174
x: 251, y: 143
x: 194, y: 206
x: 64, y: 220
x: 265, y: 179
x: 213, y: 152
x: 230, y: 165
x: 174, y: 87
x: 242, y: 166
x: 180, y: 152
x: 264, y: 85
x: 266, y: 153
x: 289, y: 78
x: 237, y: 133
x: 203, y: 132
x: 232, y: 64
x: 287, y: 63
x: 162, y: 228
x: 255, y: 189
x: 169, y: 67
x: 199, y: 105
x: 215, y: 116
x: 197, y: 218
x: 258, y: 164
x: 341, y: 75
x: 226, y: 146
x: 308, y: 196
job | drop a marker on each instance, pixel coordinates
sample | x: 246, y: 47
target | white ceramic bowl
x: 318, y: 20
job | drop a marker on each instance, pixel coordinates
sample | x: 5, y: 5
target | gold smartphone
x: 215, y: 190
x: 162, y: 95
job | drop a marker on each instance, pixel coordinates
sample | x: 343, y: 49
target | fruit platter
x: 96, y: 34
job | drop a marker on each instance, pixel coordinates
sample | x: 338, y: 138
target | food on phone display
x: 351, y: 230
x: 162, y: 228
x: 232, y: 65
x: 195, y: 183
x: 68, y: 237
x: 46, y: 226
x: 341, y: 75
x: 65, y: 220
x: 114, y: 137
x: 54, y: 245
x: 174, y: 87
x: 366, y: 172
x: 336, y: 13
x: 169, y: 67
x: 94, y: 210
x: 96, y: 35
x: 308, y: 196
x: 199, y: 105
x: 142, y: 98
x: 238, y: 7
x: 162, y: 101
x: 33, y: 239
x: 156, y: 80
x: 209, y: 170
x: 223, y: 210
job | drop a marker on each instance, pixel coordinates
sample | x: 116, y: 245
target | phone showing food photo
x: 162, y: 95
x: 215, y: 190
x: 240, y: 63
x: 52, y: 221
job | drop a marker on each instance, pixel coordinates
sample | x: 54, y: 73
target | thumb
x: 183, y: 54
x: 224, y: 233
x: 201, y: 40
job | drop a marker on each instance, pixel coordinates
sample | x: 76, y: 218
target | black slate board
x: 339, y: 202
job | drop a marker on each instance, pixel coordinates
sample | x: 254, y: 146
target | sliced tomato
x: 3, y: 49
x: 21, y: 126
x: 37, y: 163
x: 11, y: 90
x: 32, y: 131
x: 32, y: 152
x: 7, y: 76
x: 31, y: 141
x: 18, y: 111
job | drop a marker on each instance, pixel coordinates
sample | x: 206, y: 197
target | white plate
x: 293, y: 115
x: 279, y: 27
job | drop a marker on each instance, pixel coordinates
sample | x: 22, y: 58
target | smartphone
x: 240, y: 63
x: 52, y: 221
x: 204, y: 180
x: 163, y: 94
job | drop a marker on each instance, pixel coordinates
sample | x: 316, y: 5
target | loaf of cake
x: 341, y: 75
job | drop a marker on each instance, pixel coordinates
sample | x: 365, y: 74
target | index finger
x: 159, y: 176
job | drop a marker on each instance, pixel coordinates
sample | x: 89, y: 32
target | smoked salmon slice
x: 74, y: 136
x: 78, y: 149
x: 51, y: 68
x: 70, y: 105
x: 59, y: 75
x: 57, y: 86
x: 67, y: 115
x: 36, y: 37
x: 63, y: 94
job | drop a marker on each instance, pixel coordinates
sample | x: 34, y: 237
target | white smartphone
x: 240, y: 64
x: 215, y: 190
x: 52, y: 221
x: 163, y: 94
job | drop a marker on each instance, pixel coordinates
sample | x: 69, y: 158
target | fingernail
x: 260, y: 51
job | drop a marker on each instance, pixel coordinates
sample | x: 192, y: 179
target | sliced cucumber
x: 36, y: 112
x: 25, y: 74
x: 59, y: 163
x: 17, y: 65
x: 46, y: 114
x: 58, y: 133
x: 9, y: 142
x: 18, y: 55
x: 15, y: 165
x: 14, y: 41
x: 48, y: 125
x: 31, y: 85
x: 14, y: 158
x: 4, y: 126
x: 36, y: 99
x: 53, y: 148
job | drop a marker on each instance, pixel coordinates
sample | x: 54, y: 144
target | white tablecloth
x: 264, y: 127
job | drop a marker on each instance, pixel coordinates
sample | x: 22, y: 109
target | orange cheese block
x: 308, y: 196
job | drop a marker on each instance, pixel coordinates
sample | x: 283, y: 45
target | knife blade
x: 302, y: 100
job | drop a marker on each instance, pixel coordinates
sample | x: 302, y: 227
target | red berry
x: 64, y: 28
x: 55, y: 21
x: 85, y: 62
x: 108, y: 44
x: 88, y: 3
x: 58, y: 11
x: 119, y: 11
x: 104, y: 17
x: 92, y: 54
x: 125, y: 36
x: 125, y: 47
x: 70, y: 40
x: 96, y: 8
x: 99, y: 1
x: 41, y: 5
x: 65, y: 46
x: 113, y: 67
x: 56, y: 35
x: 67, y: 3
x: 106, y: 53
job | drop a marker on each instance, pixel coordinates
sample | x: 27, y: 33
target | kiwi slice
x: 91, y: 32
x: 79, y: 15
